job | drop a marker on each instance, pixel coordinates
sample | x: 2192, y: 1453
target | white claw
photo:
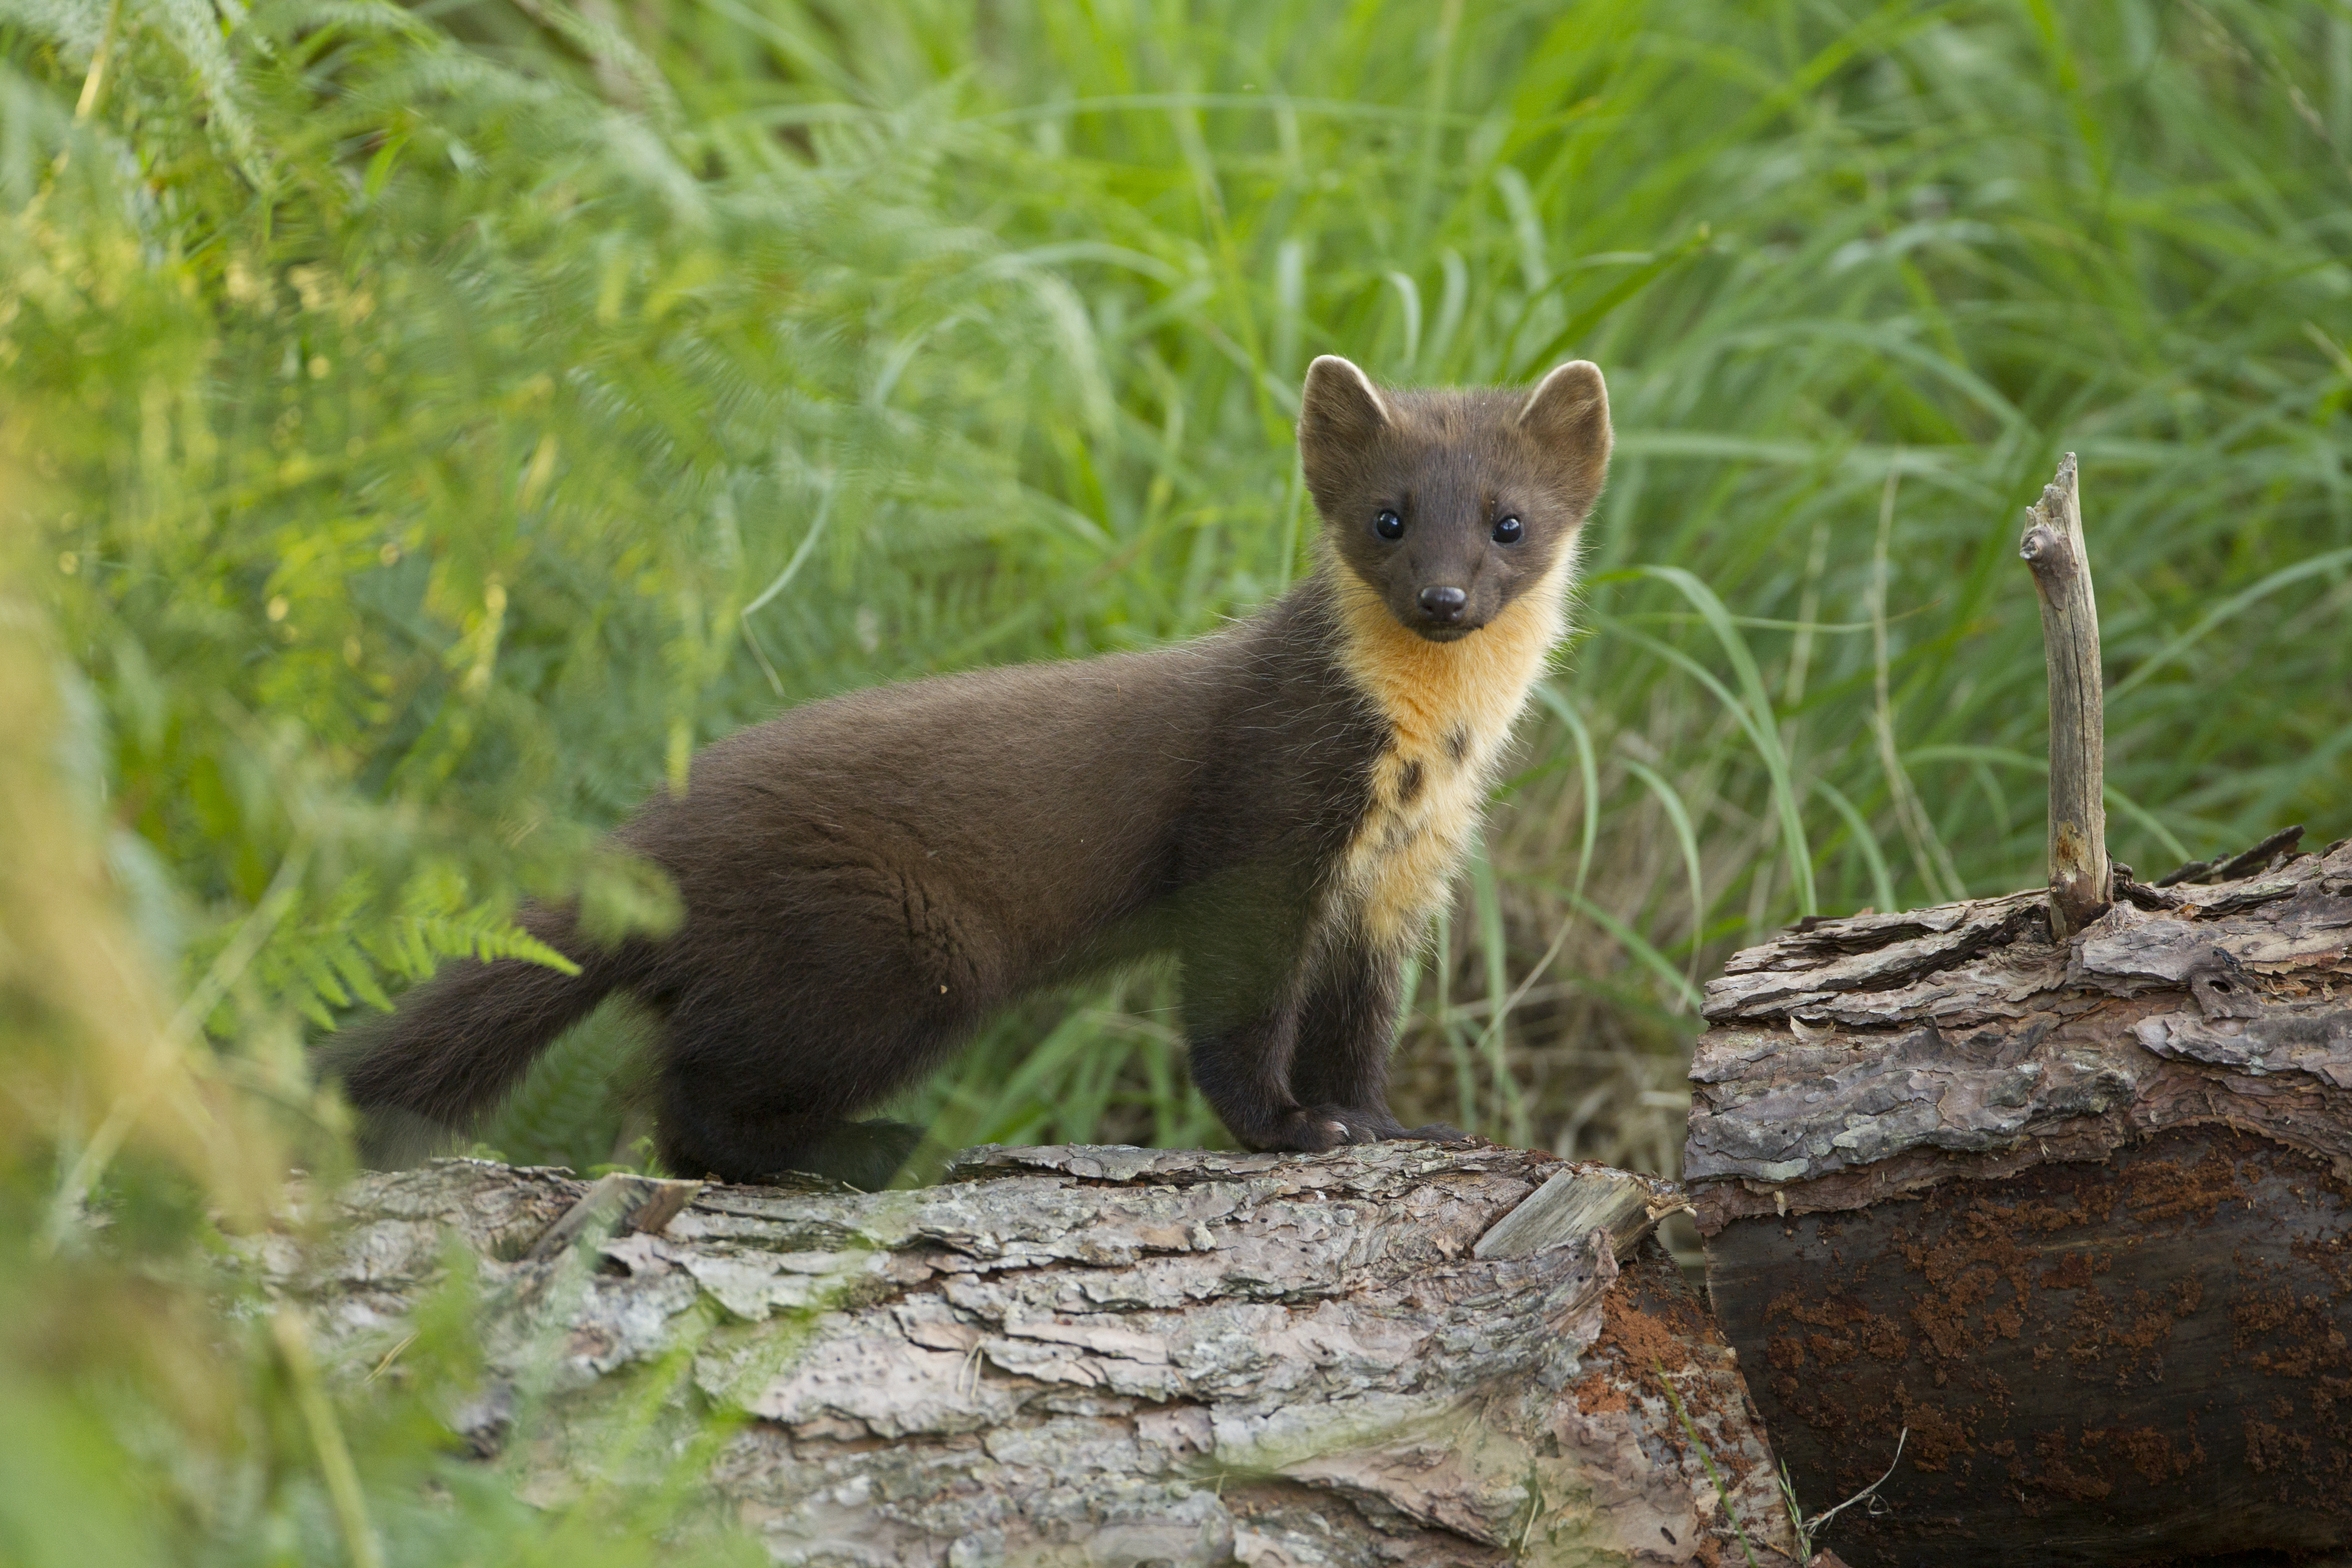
x: 1342, y: 1129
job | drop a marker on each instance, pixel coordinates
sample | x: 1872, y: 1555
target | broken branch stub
x: 2080, y: 877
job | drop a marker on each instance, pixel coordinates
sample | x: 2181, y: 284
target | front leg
x: 1240, y: 1067
x: 1243, y: 993
x: 1347, y: 1031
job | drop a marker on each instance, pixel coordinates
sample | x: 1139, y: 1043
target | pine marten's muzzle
x: 1443, y: 606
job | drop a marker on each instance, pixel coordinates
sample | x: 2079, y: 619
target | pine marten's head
x: 1452, y: 504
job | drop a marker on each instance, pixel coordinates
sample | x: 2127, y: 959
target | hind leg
x: 820, y: 968
x: 702, y: 1136
x: 754, y: 1085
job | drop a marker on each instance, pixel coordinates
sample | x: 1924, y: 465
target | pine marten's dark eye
x: 1510, y: 530
x: 1388, y: 525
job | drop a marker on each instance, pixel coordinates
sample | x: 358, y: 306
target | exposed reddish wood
x: 2075, y: 1213
x: 2134, y: 1359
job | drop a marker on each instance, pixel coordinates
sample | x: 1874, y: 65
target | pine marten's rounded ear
x: 1339, y: 414
x: 1568, y: 416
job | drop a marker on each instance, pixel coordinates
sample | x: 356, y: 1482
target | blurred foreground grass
x: 423, y: 426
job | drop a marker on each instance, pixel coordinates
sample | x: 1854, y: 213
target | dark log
x: 2077, y: 1215
x: 1405, y: 1353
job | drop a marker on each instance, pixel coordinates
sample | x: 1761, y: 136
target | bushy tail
x: 461, y: 1041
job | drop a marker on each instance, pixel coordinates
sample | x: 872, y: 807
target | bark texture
x: 1851, y: 1059
x: 2077, y: 1215
x: 1095, y: 1355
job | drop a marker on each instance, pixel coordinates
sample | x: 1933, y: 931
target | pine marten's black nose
x: 1443, y: 604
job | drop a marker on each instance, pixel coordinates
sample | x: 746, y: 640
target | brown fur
x: 1279, y: 804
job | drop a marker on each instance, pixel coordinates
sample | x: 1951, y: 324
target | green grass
x: 452, y: 416
x: 421, y: 428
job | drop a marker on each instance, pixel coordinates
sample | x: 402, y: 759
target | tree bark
x: 1102, y: 1356
x: 2053, y: 547
x: 2077, y: 1215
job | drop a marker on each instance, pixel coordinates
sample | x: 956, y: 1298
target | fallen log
x: 2078, y: 1218
x: 1403, y: 1353
x: 2053, y: 1190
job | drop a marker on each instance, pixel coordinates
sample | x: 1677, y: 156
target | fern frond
x: 417, y: 945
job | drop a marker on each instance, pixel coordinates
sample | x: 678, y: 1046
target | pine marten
x: 1279, y: 804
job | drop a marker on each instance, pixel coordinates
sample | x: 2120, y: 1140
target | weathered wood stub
x: 2080, y: 873
x: 2077, y: 1215
x: 1093, y: 1355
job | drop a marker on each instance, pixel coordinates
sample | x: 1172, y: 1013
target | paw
x: 1306, y: 1132
x: 1436, y: 1132
x: 1319, y: 1127
x: 1364, y: 1124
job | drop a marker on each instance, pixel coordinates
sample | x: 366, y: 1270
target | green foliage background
x: 424, y: 426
